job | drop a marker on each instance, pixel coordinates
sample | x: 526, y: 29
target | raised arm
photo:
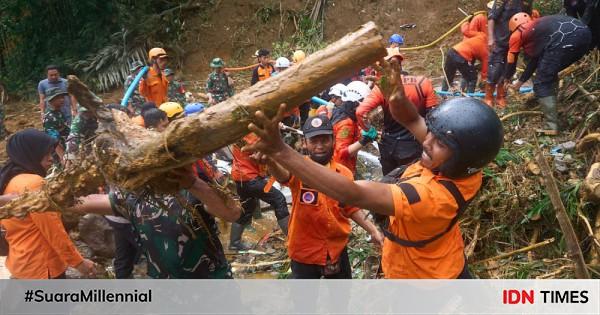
x: 216, y: 205
x: 400, y: 106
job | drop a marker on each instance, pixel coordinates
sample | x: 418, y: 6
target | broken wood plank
x: 573, y: 249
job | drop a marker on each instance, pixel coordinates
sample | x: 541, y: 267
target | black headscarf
x: 25, y: 150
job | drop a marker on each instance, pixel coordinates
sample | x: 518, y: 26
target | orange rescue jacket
x: 423, y: 208
x: 39, y: 246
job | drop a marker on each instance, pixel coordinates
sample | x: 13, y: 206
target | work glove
x: 368, y: 136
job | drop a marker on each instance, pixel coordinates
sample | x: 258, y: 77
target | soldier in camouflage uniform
x: 83, y: 129
x: 136, y: 100
x: 217, y: 84
x: 178, y: 234
x: 176, y: 91
x: 55, y: 124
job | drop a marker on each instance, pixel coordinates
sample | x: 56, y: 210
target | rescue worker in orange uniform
x: 319, y: 225
x: 154, y: 85
x: 250, y: 181
x: 264, y: 69
x: 499, y: 13
x: 423, y: 240
x: 397, y: 145
x: 551, y: 43
x: 346, y: 131
x: 477, y: 24
x: 39, y: 246
x: 462, y: 57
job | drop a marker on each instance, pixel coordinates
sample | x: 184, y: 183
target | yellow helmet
x: 156, y: 52
x: 298, y: 56
x: 172, y: 109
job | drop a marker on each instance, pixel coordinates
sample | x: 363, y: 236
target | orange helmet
x: 156, y: 52
x: 518, y: 20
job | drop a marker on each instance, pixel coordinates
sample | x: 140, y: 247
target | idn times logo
x: 514, y: 296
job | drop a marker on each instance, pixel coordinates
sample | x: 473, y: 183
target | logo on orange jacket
x: 309, y: 197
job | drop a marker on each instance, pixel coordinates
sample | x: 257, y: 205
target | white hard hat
x: 282, y: 62
x: 338, y: 90
x: 356, y: 91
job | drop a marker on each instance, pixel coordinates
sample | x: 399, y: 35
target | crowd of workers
x: 431, y: 154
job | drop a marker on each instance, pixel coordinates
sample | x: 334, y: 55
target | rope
x: 242, y: 68
x: 457, y: 26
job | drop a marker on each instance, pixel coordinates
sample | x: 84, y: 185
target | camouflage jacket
x: 55, y: 125
x: 81, y: 130
x: 176, y: 92
x: 136, y: 100
x: 218, y: 86
x: 179, y: 238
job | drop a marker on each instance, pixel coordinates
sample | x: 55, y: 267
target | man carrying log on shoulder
x: 423, y: 239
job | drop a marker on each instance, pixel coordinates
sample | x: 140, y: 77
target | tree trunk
x: 132, y: 157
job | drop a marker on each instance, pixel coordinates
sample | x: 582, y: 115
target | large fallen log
x: 131, y: 157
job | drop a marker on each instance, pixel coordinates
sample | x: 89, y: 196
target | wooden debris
x: 591, y: 184
x: 587, y: 142
x: 260, y: 264
x: 524, y: 112
x: 518, y: 251
x: 573, y: 249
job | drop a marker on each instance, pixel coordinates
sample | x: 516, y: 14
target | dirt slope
x: 234, y: 29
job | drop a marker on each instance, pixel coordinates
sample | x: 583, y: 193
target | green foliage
x: 505, y: 156
x: 569, y: 198
x: 37, y: 33
x: 548, y: 7
x: 265, y: 13
x: 93, y: 39
x: 307, y: 37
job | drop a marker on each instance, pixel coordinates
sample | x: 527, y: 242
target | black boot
x: 235, y: 238
x: 283, y: 224
x: 548, y: 105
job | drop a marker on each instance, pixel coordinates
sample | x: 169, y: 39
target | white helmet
x: 338, y: 90
x: 356, y: 91
x: 282, y: 62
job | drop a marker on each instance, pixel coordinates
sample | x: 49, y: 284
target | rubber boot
x: 235, y: 238
x: 283, y: 224
x: 489, y: 94
x: 548, y: 105
x: 501, y: 96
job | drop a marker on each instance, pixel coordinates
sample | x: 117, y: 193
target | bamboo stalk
x: 574, y: 251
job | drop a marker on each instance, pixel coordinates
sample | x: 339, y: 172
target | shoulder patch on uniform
x: 410, y: 192
x: 344, y: 133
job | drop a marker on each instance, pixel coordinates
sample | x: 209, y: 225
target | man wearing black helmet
x: 423, y: 239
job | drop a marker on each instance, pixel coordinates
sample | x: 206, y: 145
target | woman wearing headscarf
x: 39, y: 247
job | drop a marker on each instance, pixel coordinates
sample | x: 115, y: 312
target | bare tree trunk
x: 132, y: 157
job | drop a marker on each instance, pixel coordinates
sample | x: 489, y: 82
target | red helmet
x: 518, y: 20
